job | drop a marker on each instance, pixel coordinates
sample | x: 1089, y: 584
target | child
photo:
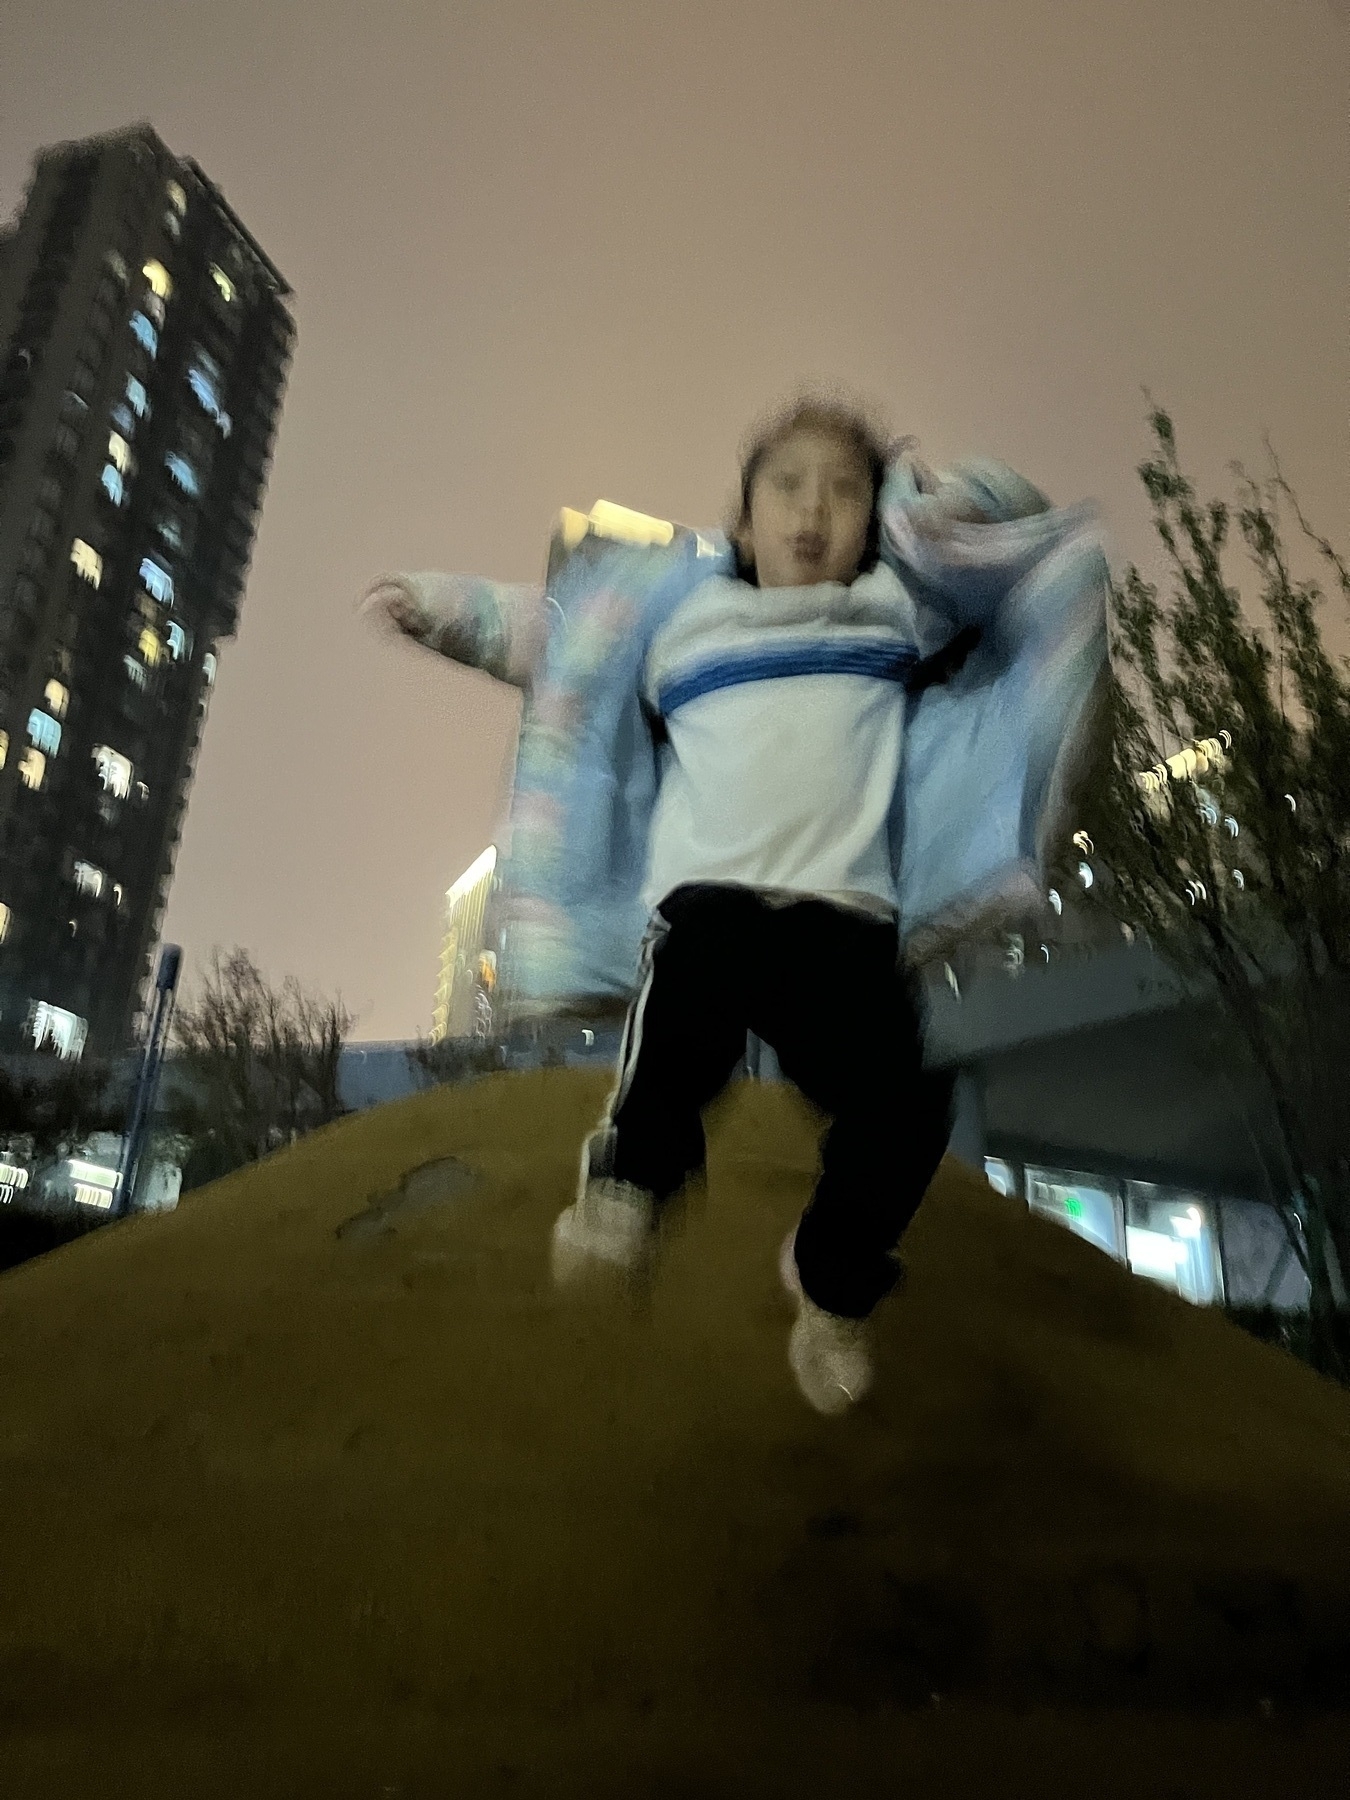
x: 782, y: 693
x: 778, y: 688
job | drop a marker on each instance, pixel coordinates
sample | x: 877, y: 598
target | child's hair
x: 849, y: 422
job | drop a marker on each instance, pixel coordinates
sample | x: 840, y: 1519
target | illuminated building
x: 144, y: 344
x: 468, y: 978
x: 607, y: 522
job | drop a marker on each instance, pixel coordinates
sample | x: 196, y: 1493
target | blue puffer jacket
x: 989, y: 750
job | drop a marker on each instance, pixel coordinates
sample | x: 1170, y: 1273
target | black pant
x: 825, y: 987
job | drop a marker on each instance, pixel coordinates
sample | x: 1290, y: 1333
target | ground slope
x: 315, y: 1486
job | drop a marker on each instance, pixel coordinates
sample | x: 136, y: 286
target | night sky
x: 544, y: 253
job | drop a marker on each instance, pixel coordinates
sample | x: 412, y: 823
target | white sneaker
x: 827, y: 1354
x: 611, y: 1223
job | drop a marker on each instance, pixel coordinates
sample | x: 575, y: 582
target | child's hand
x: 388, y: 603
x: 934, y: 515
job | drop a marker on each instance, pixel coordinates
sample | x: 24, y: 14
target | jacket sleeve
x: 496, y: 626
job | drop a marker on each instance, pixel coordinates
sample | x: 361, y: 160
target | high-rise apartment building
x: 144, y: 346
x: 468, y: 973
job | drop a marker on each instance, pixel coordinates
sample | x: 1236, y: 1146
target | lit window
x: 5, y: 917
x: 144, y: 332
x: 183, y: 472
x: 119, y: 452
x: 89, y: 879
x: 158, y: 581
x: 142, y: 792
x: 150, y: 647
x: 87, y: 561
x: 171, y: 225
x: 176, y: 197
x: 32, y: 768
x: 158, y: 277
x: 122, y: 418
x: 4, y: 748
x: 223, y: 282
x: 1001, y: 1177
x: 116, y: 264
x: 113, y: 485
x: 117, y: 893
x: 177, y: 642
x: 154, y: 307
x: 170, y: 530
x: 200, y: 383
x: 44, y: 731
x: 203, y: 379
x: 135, y: 670
x: 95, y: 1184
x: 137, y: 396
x: 114, y: 770
x: 54, y: 1025
x: 57, y: 697
x: 209, y: 667
x: 1086, y: 1207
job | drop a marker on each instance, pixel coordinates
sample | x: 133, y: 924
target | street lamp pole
x: 166, y: 983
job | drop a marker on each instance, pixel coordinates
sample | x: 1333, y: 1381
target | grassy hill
x: 315, y: 1487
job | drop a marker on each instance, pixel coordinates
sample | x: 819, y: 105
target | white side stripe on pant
x: 631, y: 1046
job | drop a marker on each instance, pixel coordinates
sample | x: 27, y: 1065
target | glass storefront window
x: 1164, y: 1234
x: 1001, y: 1177
x: 1088, y: 1209
x: 1170, y: 1238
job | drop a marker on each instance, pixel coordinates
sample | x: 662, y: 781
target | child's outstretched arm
x: 497, y: 626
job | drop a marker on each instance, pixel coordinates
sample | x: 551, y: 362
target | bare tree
x: 1220, y: 823
x: 256, y: 1066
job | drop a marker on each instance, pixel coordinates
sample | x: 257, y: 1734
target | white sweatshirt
x: 786, y: 713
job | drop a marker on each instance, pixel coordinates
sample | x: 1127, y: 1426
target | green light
x: 1073, y: 1206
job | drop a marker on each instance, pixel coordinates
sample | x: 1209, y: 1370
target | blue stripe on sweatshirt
x: 883, y: 661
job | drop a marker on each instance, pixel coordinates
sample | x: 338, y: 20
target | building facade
x: 144, y: 348
x: 466, y: 986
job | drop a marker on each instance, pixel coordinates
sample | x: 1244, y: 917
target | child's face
x: 810, y: 507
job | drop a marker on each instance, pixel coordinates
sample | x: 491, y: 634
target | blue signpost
x: 147, y: 1081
